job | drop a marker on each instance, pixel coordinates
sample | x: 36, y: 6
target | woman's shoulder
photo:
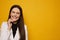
x: 25, y: 26
x: 4, y: 22
x: 4, y: 25
x: 26, y: 31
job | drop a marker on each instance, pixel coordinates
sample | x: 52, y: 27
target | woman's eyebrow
x: 13, y: 11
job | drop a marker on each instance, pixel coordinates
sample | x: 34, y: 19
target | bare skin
x: 15, y: 14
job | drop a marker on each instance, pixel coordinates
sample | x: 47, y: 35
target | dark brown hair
x: 20, y: 22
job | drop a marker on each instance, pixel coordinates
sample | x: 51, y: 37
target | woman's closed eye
x: 13, y: 12
x: 17, y: 12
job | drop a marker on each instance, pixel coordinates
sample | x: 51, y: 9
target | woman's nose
x: 15, y: 14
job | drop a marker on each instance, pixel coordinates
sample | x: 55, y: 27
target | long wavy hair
x: 20, y: 22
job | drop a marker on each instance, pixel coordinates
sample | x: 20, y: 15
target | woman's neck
x: 15, y: 22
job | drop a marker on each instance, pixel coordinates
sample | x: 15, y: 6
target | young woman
x: 14, y: 28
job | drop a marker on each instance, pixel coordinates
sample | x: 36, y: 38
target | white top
x: 8, y: 35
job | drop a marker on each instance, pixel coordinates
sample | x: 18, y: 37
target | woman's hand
x: 9, y: 23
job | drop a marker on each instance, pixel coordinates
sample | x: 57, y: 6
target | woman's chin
x: 14, y: 20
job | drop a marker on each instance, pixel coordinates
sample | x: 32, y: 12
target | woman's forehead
x: 15, y: 9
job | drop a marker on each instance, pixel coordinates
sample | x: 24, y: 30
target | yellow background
x: 42, y: 17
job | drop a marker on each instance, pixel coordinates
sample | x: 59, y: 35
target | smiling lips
x: 14, y: 17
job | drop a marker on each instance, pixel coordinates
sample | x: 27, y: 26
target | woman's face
x: 15, y: 14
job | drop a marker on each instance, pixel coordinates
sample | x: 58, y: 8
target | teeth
x: 14, y: 17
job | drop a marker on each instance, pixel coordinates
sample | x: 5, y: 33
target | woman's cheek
x: 18, y: 16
